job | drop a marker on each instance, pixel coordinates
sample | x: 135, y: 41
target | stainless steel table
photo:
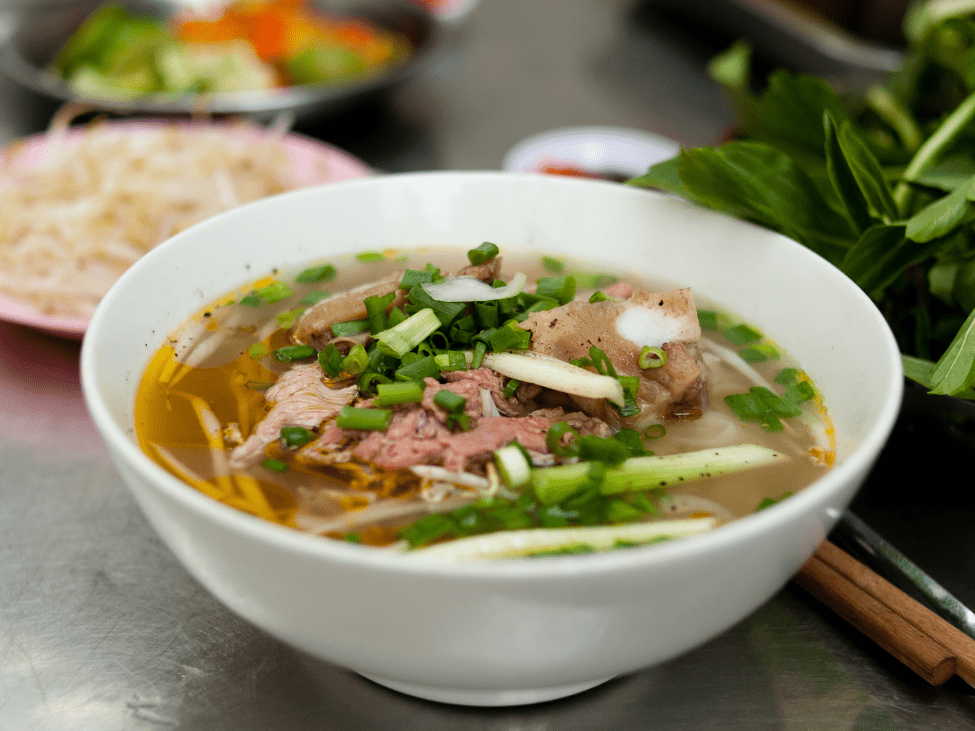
x: 101, y: 629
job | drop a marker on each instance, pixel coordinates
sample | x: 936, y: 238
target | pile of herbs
x: 880, y: 182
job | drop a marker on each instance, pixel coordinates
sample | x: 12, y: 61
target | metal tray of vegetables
x: 150, y: 57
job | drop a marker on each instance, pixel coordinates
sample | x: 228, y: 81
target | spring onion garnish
x: 322, y: 273
x: 561, y: 289
x: 651, y: 357
x: 554, y: 436
x: 742, y: 334
x: 288, y: 318
x: 356, y: 361
x: 330, y: 359
x: 274, y: 464
x: 555, y: 484
x: 349, y: 327
x: 313, y: 298
x: 402, y: 338
x: 376, y: 310
x: 291, y: 353
x: 257, y: 350
x: 484, y: 252
x: 511, y: 544
x: 273, y: 292
x: 471, y: 289
x: 655, y: 431
x: 641, y: 473
x: 363, y: 419
x: 513, y: 465
x: 295, y: 436
x: 553, y: 265
x: 762, y: 405
x: 452, y: 360
x: 399, y: 392
x: 453, y: 404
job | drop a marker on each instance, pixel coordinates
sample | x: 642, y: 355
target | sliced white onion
x: 549, y: 372
x: 471, y: 289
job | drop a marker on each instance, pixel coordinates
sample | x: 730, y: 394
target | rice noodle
x: 74, y: 220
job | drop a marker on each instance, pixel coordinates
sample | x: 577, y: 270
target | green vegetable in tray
x: 881, y: 183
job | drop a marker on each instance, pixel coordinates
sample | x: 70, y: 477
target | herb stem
x: 932, y: 148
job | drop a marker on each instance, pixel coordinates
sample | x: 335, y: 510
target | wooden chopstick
x: 931, y: 647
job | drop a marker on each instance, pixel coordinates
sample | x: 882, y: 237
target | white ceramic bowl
x: 504, y: 632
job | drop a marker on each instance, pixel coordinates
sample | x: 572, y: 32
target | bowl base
x: 469, y: 697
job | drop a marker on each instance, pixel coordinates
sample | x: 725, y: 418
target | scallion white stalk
x: 511, y: 544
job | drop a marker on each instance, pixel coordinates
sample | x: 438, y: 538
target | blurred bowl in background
x: 616, y: 153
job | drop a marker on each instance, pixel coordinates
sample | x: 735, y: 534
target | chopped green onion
x: 562, y: 289
x: 553, y: 265
x: 452, y: 360
x: 408, y: 334
x: 250, y: 300
x: 758, y: 353
x: 356, y: 361
x: 349, y: 327
x: 630, y: 439
x: 510, y: 387
x: 484, y: 252
x: 742, y: 334
x: 376, y: 310
x: 313, y: 298
x: 787, y: 376
x: 363, y: 419
x: 259, y: 385
x: 288, y: 318
x: 291, y: 353
x: 480, y: 349
x: 593, y: 280
x: 447, y: 399
x: 400, y: 392
x: 257, y: 350
x: 275, y: 465
x: 413, y: 277
x: 598, y: 296
x: 552, y: 485
x: 330, y: 359
x: 274, y: 292
x: 513, y: 466
x: 295, y: 436
x: 322, y: 273
x: 655, y: 431
x: 426, y: 367
x: 554, y: 436
x: 607, y: 450
x: 395, y: 317
x: 651, y: 357
x: 371, y: 256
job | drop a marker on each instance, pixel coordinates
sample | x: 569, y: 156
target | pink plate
x: 312, y: 162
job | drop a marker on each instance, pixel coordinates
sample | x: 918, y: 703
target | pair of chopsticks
x: 931, y: 647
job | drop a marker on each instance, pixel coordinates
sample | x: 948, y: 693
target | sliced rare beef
x: 620, y: 329
x: 418, y: 433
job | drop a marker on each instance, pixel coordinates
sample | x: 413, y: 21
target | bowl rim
x: 548, y: 568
